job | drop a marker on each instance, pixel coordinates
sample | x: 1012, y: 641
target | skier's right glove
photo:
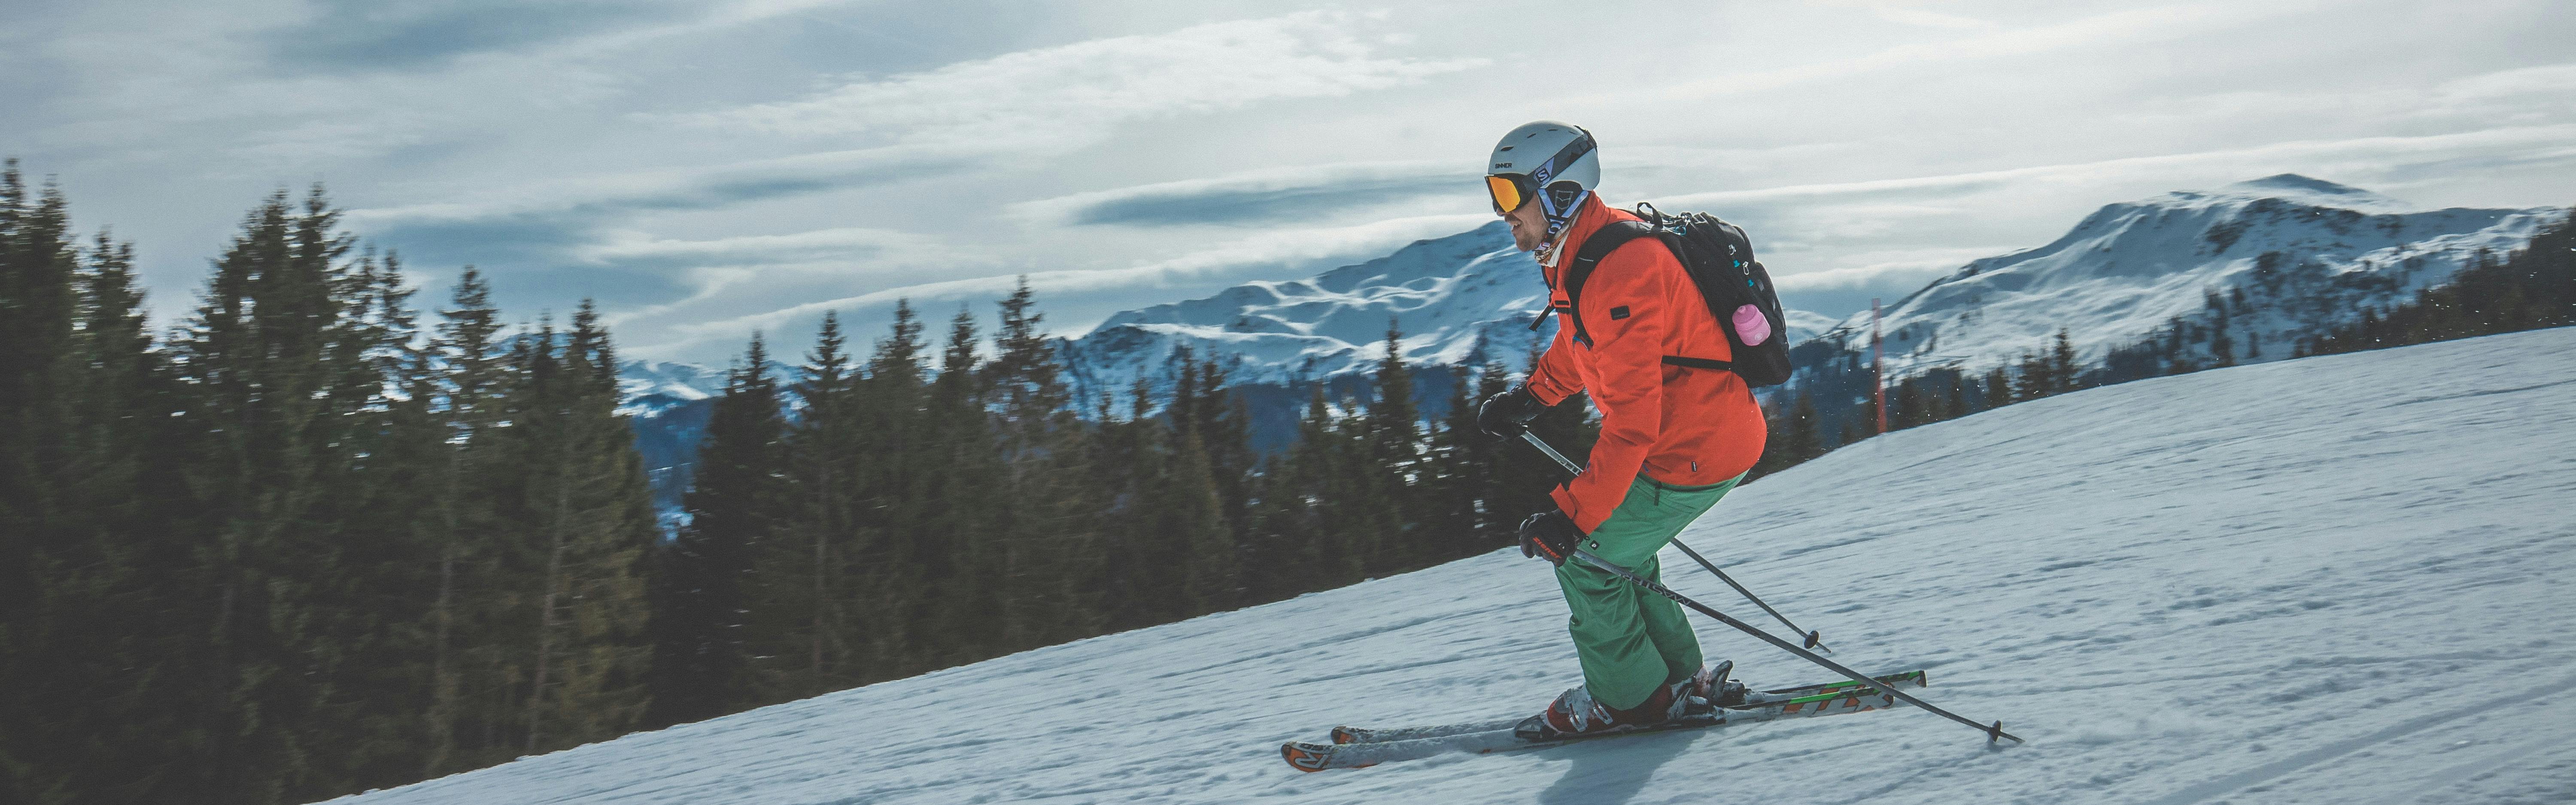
x: 1550, y: 535
x: 1508, y: 413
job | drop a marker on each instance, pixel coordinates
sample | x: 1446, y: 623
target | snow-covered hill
x: 2324, y: 580
x: 2287, y: 256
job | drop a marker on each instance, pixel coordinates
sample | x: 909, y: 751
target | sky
x: 705, y: 170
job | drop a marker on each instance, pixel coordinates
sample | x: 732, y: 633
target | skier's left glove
x: 1549, y: 535
x: 1508, y: 413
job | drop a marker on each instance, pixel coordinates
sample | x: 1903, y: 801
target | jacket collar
x: 1591, y: 218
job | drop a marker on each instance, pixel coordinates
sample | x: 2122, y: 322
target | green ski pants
x: 1632, y: 641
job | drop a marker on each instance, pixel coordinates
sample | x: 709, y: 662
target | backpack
x: 1719, y: 259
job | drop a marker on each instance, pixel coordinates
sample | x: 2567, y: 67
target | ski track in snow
x: 2331, y: 580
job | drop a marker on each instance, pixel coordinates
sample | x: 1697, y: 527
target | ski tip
x: 1305, y: 756
x: 1348, y: 735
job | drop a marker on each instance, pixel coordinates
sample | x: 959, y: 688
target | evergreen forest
x: 319, y: 536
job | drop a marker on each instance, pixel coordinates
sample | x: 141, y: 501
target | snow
x: 2129, y: 268
x: 2337, y: 579
x: 1459, y: 299
x: 2111, y: 281
x: 648, y: 389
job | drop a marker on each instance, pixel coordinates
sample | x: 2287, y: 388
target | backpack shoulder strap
x: 1599, y: 245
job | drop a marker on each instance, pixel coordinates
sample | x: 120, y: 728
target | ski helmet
x: 1548, y: 162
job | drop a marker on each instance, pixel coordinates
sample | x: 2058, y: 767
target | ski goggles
x: 1509, y: 192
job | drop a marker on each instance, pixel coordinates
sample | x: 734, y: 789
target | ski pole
x: 1814, y: 639
x: 1993, y: 731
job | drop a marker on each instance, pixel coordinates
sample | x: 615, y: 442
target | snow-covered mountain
x: 646, y: 387
x: 666, y: 405
x: 2301, y: 588
x: 2307, y: 254
x: 2286, y: 256
x: 1459, y: 300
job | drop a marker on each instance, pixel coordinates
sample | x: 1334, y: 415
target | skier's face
x: 1529, y: 226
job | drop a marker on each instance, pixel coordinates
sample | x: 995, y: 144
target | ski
x: 1353, y: 735
x: 1372, y: 747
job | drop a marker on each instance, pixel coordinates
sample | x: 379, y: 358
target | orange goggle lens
x: 1506, y: 193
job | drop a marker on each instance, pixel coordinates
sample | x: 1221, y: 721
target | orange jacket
x: 1680, y: 426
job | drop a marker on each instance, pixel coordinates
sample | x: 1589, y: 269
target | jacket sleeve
x: 1625, y: 311
x: 1552, y: 376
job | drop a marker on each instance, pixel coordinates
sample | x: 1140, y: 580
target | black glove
x: 1549, y: 534
x: 1508, y: 413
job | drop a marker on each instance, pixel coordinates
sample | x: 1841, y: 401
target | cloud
x: 838, y: 245
x: 1911, y: 13
x: 950, y: 120
x: 373, y: 35
x: 2128, y: 24
x: 2373, y: 155
x: 2549, y: 79
x: 1073, y: 94
x: 554, y: 220
x: 1284, y: 195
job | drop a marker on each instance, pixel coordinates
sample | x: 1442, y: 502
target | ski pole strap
x: 1992, y: 732
x: 1815, y: 639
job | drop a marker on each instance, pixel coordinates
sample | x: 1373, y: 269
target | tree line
x: 304, y: 543
x: 2529, y: 289
x: 317, y: 539
x: 871, y: 517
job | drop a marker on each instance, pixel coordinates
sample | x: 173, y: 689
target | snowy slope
x: 2311, y: 581
x: 2306, y: 253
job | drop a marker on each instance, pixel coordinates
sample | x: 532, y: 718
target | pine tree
x: 1052, y: 595
x: 1390, y: 441
x: 1211, y: 580
x: 257, y: 363
x: 86, y: 646
x: 1489, y: 462
x: 699, y: 575
x: 474, y: 378
x: 1301, y: 548
x: 2063, y: 371
x: 585, y: 513
x: 963, y: 461
x: 2036, y: 378
x: 795, y: 635
x: 1805, y: 435
x: 1457, y: 467
x: 894, y: 566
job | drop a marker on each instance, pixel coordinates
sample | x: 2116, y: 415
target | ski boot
x: 1576, y: 714
x: 1710, y: 690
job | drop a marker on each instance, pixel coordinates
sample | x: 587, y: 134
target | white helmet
x: 1548, y: 161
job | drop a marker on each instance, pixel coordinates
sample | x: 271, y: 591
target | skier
x: 1674, y: 437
